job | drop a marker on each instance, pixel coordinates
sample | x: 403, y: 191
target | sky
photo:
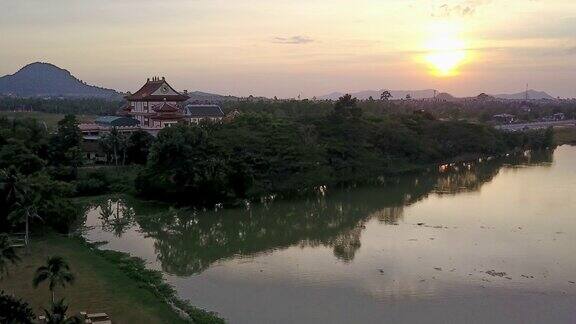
x: 288, y: 48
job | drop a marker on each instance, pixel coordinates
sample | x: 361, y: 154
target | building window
x: 146, y: 122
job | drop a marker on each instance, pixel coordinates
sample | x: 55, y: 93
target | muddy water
x: 488, y: 242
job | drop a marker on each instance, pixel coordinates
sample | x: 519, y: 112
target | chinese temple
x: 156, y: 104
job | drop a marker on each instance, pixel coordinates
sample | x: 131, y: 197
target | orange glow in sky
x: 445, y: 51
x: 300, y: 47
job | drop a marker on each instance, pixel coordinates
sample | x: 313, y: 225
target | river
x: 492, y: 241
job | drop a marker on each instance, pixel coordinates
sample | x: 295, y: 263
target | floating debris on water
x: 494, y: 273
x: 527, y: 276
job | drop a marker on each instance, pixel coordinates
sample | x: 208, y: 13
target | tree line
x: 260, y: 154
x: 87, y: 106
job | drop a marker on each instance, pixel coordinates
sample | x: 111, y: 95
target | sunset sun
x: 445, y: 52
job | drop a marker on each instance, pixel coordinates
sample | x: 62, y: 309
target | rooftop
x: 203, y: 111
x: 116, y: 121
x: 156, y: 89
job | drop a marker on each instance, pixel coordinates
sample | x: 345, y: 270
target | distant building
x: 231, y: 116
x: 198, y: 113
x: 504, y: 118
x: 555, y: 117
x: 93, y: 132
x: 156, y: 105
x: 116, y: 121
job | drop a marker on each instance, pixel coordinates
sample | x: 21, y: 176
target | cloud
x: 571, y: 51
x: 293, y: 40
x: 461, y: 9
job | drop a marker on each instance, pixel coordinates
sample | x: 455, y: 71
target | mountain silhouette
x: 47, y: 80
x: 532, y: 95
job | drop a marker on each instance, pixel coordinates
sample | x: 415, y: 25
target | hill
x: 396, y: 94
x: 532, y: 95
x: 47, y: 80
x: 205, y: 97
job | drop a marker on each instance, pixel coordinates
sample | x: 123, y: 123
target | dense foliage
x: 33, y: 166
x: 258, y: 154
x: 471, y: 109
x: 90, y: 106
x: 14, y: 310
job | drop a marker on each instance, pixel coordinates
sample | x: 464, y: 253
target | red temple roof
x: 165, y: 108
x: 157, y: 86
x: 125, y: 111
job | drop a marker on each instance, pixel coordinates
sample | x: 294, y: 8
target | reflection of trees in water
x: 467, y: 177
x: 188, y: 242
x: 115, y: 215
x: 389, y: 215
x: 462, y: 181
x: 346, y: 244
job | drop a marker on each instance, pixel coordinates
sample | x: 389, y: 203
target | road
x: 536, y: 125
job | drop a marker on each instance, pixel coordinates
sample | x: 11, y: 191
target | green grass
x: 106, y: 281
x: 51, y: 120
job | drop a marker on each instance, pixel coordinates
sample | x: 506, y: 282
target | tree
x: 7, y: 253
x: 15, y: 153
x: 57, y: 314
x: 65, y: 154
x: 23, y: 201
x: 138, y: 147
x: 25, y: 208
x: 346, y: 106
x: 51, y: 201
x: 114, y: 144
x: 385, y: 95
x: 14, y: 310
x: 8, y: 179
x: 56, y: 272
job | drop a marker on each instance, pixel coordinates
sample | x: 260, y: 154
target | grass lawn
x: 99, y: 287
x: 51, y: 120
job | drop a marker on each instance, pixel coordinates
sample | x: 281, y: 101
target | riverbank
x: 106, y: 281
x: 375, y: 254
x: 565, y: 135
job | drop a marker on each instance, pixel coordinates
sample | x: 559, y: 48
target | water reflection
x: 187, y: 242
x: 116, y: 215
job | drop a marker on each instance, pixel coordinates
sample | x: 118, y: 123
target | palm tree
x: 7, y: 253
x: 21, y: 199
x: 25, y: 208
x: 56, y: 272
x: 57, y: 314
x: 113, y: 144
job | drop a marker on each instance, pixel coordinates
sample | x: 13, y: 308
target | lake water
x: 489, y: 242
